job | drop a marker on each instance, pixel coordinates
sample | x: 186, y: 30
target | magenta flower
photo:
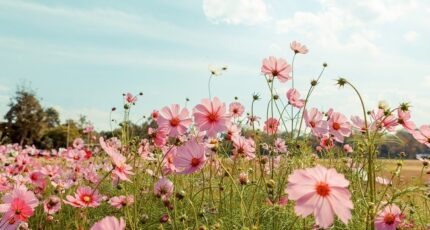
x: 322, y: 192
x: 423, y: 135
x: 294, y: 98
x: 163, y: 188
x: 84, y: 197
x: 173, y: 120
x: 279, y: 68
x: 109, y: 223
x: 298, y: 48
x: 211, y: 116
x: 388, y: 218
x: 236, y: 109
x: 190, y: 157
x: 314, y: 120
x: 339, y: 126
x: 271, y: 126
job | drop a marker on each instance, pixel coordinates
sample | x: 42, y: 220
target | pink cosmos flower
x: 211, y: 116
x: 271, y: 126
x: 339, y: 126
x: 383, y: 181
x: 233, y: 131
x: 298, y: 48
x: 89, y: 129
x: 236, y: 109
x: 78, y: 143
x: 389, y: 122
x: 154, y: 115
x: 388, y: 218
x: 121, y: 170
x: 173, y: 120
x: 320, y: 191
x: 52, y: 171
x: 18, y: 205
x: 163, y: 188
x: 358, y: 123
x: 253, y: 119
x: 280, y: 146
x: 190, y: 157
x: 327, y: 142
x: 38, y: 179
x: 121, y: 201
x: 279, y: 68
x: 84, y: 197
x: 129, y: 98
x: 404, y: 120
x: 313, y: 119
x: 423, y: 135
x: 243, y: 147
x: 52, y: 205
x: 109, y: 223
x: 294, y: 98
x: 347, y: 148
x: 168, y: 165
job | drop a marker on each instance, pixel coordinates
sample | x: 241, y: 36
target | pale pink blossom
x: 423, y: 135
x: 388, y: 218
x: 273, y: 67
x: 78, y: 143
x: 190, y: 157
x: 280, y: 146
x: 339, y: 126
x: 109, y: 223
x: 84, y: 197
x: 121, y: 201
x: 52, y: 205
x: 404, y: 119
x: 294, y: 98
x: 298, y: 48
x: 271, y: 126
x: 243, y: 147
x: 211, y: 116
x: 174, y: 120
x: 322, y: 192
x: 347, y: 148
x: 163, y: 188
x: 314, y: 119
x: 236, y: 109
x: 233, y: 131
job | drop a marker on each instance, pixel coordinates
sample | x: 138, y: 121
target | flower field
x: 222, y: 165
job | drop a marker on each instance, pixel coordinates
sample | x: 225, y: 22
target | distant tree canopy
x: 25, y: 118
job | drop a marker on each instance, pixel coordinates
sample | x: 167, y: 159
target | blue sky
x: 81, y: 56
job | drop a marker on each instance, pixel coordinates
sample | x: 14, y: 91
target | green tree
x: 25, y: 117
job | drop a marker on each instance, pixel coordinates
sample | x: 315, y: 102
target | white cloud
x: 410, y: 36
x: 427, y: 80
x: 3, y: 88
x: 248, y: 12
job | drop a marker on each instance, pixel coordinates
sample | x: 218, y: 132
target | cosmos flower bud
x: 314, y: 82
x: 324, y: 64
x: 404, y: 106
x: 341, y: 81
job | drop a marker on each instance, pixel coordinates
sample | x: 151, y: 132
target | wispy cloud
x: 247, y: 12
